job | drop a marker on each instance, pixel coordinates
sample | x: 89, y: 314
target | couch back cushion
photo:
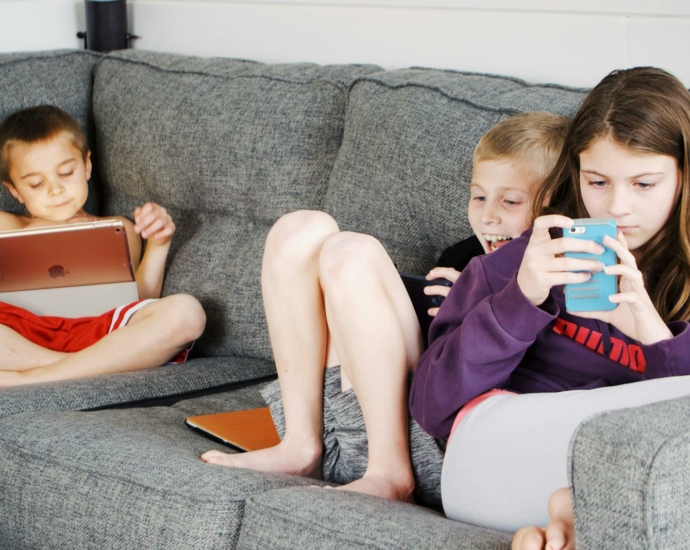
x: 227, y: 146
x: 62, y: 78
x: 405, y: 165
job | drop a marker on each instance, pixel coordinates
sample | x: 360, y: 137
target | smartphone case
x: 592, y: 295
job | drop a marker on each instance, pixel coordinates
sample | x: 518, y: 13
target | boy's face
x: 50, y: 178
x: 500, y: 207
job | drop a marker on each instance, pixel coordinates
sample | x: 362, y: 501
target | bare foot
x: 559, y: 533
x: 384, y: 486
x: 284, y: 458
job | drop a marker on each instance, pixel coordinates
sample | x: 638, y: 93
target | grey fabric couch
x: 228, y: 146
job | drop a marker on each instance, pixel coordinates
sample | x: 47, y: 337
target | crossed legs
x: 330, y: 298
x: 154, y: 334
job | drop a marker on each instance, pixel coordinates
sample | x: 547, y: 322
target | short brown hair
x: 535, y: 139
x: 34, y: 125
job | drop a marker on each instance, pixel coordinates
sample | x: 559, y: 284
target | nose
x: 619, y: 204
x: 55, y: 188
x: 490, y: 213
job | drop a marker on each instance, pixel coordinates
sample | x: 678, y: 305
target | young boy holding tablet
x: 45, y: 164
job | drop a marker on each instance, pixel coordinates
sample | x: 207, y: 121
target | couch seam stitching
x: 338, y: 85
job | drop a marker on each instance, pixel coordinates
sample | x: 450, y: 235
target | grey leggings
x: 510, y: 452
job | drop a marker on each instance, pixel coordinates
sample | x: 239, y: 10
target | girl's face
x: 635, y: 188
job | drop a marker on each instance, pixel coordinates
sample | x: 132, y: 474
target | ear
x: 88, y: 165
x: 13, y: 191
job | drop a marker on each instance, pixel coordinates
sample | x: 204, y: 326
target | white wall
x: 572, y: 42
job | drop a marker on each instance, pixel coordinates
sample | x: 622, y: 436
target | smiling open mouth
x: 494, y: 242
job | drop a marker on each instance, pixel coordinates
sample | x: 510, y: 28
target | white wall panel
x: 576, y: 50
x: 573, y: 42
x: 29, y: 25
x: 266, y: 33
x: 662, y: 42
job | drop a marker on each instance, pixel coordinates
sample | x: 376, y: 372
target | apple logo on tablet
x: 56, y: 271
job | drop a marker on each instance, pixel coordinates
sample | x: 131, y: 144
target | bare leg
x: 297, y: 326
x: 377, y: 338
x: 19, y: 354
x: 559, y: 533
x: 154, y: 334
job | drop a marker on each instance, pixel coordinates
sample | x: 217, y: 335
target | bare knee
x: 184, y: 317
x: 347, y: 258
x: 298, y: 236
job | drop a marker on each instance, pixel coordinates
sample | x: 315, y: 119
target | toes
x: 559, y: 535
x: 213, y: 457
x: 529, y: 538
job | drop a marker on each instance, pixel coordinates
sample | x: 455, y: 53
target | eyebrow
x: 38, y: 173
x: 503, y: 188
x: 632, y: 177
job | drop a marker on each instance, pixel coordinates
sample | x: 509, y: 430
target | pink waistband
x: 472, y: 403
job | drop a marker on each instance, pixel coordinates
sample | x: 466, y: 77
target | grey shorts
x: 345, y: 440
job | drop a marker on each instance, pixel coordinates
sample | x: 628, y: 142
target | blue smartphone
x: 592, y: 295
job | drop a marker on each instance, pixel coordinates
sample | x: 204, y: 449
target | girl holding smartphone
x: 521, y: 370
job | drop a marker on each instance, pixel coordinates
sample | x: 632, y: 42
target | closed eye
x: 642, y: 185
x: 597, y: 184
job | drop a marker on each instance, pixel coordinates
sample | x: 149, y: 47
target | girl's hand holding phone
x: 635, y: 314
x: 544, y: 266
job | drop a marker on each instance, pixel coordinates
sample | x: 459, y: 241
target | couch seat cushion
x: 132, y: 387
x: 308, y: 517
x: 123, y: 479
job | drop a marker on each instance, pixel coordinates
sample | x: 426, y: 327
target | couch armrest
x: 630, y: 477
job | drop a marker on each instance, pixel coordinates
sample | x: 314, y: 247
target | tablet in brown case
x: 248, y: 430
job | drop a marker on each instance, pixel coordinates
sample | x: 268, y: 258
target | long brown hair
x: 648, y: 110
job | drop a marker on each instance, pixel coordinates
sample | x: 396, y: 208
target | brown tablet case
x: 248, y: 430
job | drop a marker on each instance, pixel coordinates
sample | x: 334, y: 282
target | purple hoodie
x: 488, y: 335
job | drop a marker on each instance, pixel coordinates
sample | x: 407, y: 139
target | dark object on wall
x: 106, y: 26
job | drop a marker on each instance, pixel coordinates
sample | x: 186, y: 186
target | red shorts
x: 71, y: 334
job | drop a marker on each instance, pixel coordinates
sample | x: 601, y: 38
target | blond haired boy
x: 45, y: 164
x: 350, y: 424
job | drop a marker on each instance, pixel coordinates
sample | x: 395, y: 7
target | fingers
x: 447, y: 273
x: 152, y: 221
x: 620, y: 247
x: 433, y: 311
x: 540, y: 232
x: 436, y: 290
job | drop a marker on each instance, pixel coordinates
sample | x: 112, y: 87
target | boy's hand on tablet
x: 447, y: 273
x: 153, y: 222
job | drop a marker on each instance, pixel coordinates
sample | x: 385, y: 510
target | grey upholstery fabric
x: 227, y: 146
x: 124, y: 479
x: 630, y: 479
x: 330, y: 519
x: 61, y: 78
x: 168, y: 380
x: 404, y: 168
